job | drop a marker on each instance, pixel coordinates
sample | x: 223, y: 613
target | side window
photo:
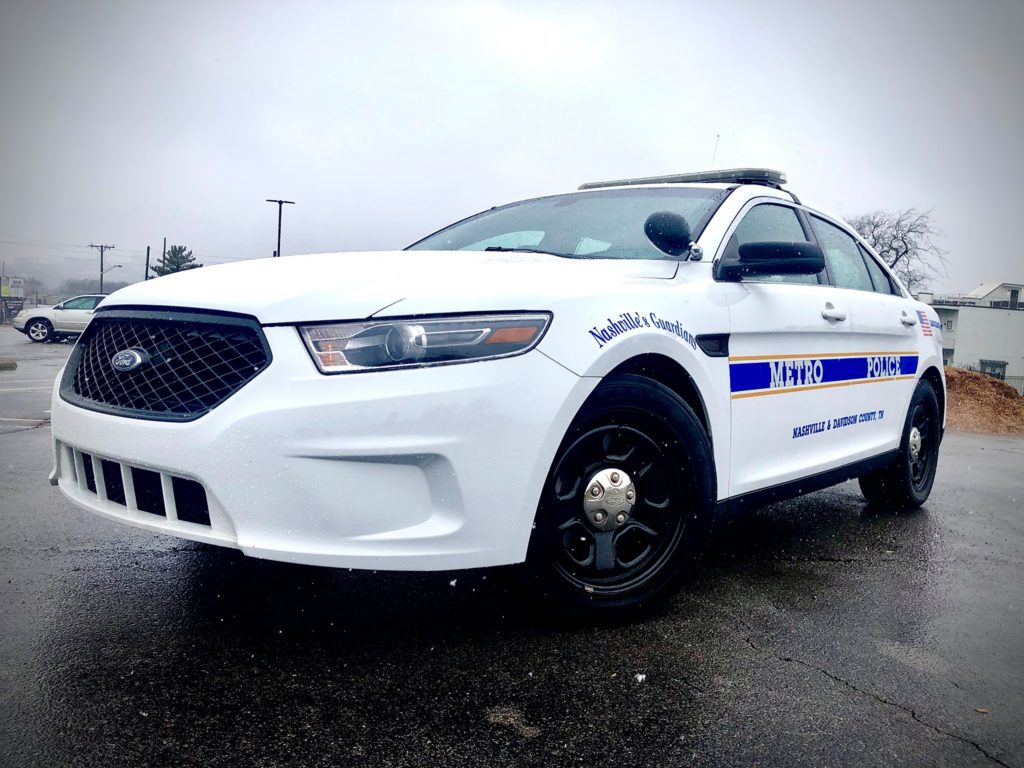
x: 81, y: 303
x: 769, y: 222
x: 94, y: 301
x: 880, y: 280
x: 842, y: 255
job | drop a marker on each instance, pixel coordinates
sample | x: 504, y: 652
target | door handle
x: 832, y: 313
x: 908, y: 319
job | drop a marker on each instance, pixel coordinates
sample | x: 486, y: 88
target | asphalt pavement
x: 817, y: 633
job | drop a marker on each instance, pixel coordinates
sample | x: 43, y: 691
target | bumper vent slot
x: 187, y: 363
x: 190, y: 501
x: 113, y: 482
x: 90, y: 473
x: 149, y: 494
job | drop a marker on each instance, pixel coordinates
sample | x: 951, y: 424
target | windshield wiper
x: 503, y: 249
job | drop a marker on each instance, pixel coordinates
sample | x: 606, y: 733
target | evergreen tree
x: 177, y: 260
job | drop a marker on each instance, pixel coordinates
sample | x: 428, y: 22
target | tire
x: 907, y: 483
x: 39, y: 330
x: 644, y: 433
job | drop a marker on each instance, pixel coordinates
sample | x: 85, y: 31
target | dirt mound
x: 981, y: 403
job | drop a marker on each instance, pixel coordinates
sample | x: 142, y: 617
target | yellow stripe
x: 817, y: 386
x: 745, y: 358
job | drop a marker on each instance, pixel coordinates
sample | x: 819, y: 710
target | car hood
x: 354, y: 285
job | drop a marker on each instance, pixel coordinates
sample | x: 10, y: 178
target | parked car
x: 582, y: 384
x: 68, y: 318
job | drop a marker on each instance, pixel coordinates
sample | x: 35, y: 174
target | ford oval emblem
x: 128, y: 360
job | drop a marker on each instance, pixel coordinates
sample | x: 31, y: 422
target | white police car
x: 583, y: 383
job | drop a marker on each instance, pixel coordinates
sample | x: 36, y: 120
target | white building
x: 983, y: 330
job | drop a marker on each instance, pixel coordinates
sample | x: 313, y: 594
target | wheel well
x: 667, y: 371
x: 933, y: 377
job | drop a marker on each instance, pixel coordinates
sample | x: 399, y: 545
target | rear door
x: 789, y: 346
x: 886, y: 329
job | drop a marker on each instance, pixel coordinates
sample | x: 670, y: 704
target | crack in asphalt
x: 863, y: 692
x: 43, y: 423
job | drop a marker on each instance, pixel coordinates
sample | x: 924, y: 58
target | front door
x: 789, y: 350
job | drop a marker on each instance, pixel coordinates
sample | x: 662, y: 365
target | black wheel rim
x: 616, y: 561
x: 921, y: 465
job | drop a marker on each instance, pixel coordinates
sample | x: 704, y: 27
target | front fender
x: 582, y: 349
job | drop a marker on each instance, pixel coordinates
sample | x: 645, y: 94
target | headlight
x: 417, y: 342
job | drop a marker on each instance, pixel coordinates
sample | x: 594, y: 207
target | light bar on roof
x: 765, y: 176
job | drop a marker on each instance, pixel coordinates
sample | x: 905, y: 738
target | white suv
x: 582, y: 383
x: 68, y: 318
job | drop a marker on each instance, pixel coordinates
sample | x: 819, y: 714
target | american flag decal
x: 926, y: 324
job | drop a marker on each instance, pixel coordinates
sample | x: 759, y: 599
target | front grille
x: 192, y: 362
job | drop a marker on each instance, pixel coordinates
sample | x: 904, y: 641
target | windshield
x: 606, y: 224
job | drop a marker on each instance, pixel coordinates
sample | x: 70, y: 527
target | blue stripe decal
x: 807, y: 371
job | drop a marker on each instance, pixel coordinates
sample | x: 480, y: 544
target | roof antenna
x: 715, y: 153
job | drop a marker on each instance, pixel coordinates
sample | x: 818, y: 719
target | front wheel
x: 39, y: 330
x: 626, y: 506
x: 907, y: 483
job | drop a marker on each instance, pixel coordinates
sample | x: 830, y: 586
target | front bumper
x: 423, y: 469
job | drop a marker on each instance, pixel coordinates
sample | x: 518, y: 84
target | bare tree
x: 906, y: 242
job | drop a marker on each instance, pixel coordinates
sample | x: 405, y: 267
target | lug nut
x: 615, y: 478
x: 598, y: 517
x: 595, y: 491
x: 620, y: 518
x: 629, y: 495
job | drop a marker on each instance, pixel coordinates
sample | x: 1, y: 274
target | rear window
x: 606, y: 224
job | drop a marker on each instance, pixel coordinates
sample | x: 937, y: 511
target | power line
x: 39, y: 243
x: 62, y: 249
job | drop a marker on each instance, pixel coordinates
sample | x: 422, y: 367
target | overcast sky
x: 127, y: 122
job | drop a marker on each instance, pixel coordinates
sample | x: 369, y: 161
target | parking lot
x: 818, y: 632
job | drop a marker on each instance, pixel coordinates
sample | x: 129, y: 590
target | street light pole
x: 115, y: 266
x: 102, y: 249
x: 280, y: 207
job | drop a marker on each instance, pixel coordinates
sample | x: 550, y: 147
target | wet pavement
x: 816, y: 633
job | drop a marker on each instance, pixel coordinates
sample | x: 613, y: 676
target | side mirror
x: 668, y: 232
x: 772, y: 258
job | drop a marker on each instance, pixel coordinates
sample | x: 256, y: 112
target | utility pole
x: 101, y: 249
x: 145, y: 275
x: 280, y: 207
